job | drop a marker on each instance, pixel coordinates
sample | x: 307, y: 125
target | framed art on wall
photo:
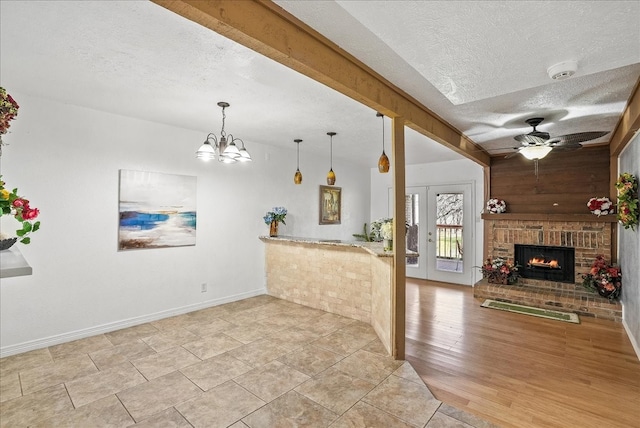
x: 156, y: 210
x: 330, y: 204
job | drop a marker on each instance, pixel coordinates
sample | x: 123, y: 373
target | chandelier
x: 225, y: 147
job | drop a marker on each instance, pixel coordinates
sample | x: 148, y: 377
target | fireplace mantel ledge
x: 611, y: 218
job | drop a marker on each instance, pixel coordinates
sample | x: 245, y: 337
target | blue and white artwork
x: 156, y: 210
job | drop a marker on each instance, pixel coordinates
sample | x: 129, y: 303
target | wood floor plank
x: 520, y: 371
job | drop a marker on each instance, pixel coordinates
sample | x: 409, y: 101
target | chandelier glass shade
x: 535, y: 152
x: 331, y: 176
x: 225, y: 148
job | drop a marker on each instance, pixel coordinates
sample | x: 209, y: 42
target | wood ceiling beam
x: 269, y: 30
x: 628, y: 124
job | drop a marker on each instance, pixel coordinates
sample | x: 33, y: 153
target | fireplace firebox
x: 546, y: 263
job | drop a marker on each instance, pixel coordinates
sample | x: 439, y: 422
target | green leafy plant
x: 20, y: 209
x: 365, y: 235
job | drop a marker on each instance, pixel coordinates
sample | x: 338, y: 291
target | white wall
x: 65, y: 159
x: 452, y: 172
x: 629, y: 254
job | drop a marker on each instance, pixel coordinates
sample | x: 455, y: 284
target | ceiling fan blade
x: 567, y: 147
x: 510, y: 155
x: 572, y: 139
x: 528, y: 139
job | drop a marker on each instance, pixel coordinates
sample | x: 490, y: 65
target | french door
x: 440, y: 228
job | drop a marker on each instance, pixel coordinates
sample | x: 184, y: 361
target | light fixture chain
x: 224, y: 116
x: 331, y: 151
x: 382, y: 133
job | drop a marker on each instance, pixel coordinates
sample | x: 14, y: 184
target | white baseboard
x: 632, y: 338
x: 105, y: 328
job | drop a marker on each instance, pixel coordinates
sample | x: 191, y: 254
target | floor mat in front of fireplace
x: 529, y: 310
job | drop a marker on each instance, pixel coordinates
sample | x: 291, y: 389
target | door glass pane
x: 413, y: 238
x: 449, y: 246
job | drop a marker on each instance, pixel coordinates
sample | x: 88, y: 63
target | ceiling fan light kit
x: 535, y: 152
x: 562, y: 70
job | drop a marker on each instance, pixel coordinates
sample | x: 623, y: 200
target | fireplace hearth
x: 546, y: 262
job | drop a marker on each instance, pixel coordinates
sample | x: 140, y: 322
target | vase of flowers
x: 627, y: 186
x: 8, y: 112
x: 273, y: 217
x: 19, y: 207
x: 600, y: 206
x: 386, y: 232
x: 499, y: 270
x: 496, y: 206
x: 604, y: 279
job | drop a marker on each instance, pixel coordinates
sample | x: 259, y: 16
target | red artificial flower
x: 30, y: 213
x: 20, y: 203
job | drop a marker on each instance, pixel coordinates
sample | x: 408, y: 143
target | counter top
x: 374, y: 248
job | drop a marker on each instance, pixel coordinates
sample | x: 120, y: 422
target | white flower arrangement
x: 386, y: 230
x: 496, y: 206
x: 600, y: 206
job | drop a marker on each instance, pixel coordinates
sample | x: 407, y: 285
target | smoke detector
x: 563, y: 70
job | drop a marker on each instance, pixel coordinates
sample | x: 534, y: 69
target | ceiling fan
x: 537, y: 144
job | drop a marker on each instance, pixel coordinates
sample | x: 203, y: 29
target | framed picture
x: 156, y: 210
x: 330, y: 204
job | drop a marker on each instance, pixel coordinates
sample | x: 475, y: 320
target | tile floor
x: 259, y: 362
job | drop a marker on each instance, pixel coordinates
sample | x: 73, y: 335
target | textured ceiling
x: 479, y: 65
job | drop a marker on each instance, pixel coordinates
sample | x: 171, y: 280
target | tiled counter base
x: 569, y: 298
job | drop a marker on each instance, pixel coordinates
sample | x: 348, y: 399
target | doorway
x: 439, y: 222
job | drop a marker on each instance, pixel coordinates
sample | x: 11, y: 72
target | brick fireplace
x: 588, y: 235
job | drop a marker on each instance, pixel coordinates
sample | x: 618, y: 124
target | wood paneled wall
x: 566, y: 181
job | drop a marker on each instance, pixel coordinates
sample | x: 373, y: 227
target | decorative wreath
x: 627, y: 186
x: 496, y: 206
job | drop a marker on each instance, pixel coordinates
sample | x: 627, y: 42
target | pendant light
x: 297, y: 178
x: 383, y: 162
x: 331, y: 176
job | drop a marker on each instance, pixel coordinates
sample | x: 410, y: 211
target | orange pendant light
x: 383, y: 162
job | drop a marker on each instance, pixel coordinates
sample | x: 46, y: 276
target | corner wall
x: 629, y: 254
x: 65, y: 159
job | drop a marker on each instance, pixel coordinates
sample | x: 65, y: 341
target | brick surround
x: 589, y: 238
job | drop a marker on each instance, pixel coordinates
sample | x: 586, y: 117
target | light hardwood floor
x: 518, y: 370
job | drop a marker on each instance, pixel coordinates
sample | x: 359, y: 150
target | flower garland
x: 17, y: 206
x: 600, y: 206
x: 496, y: 206
x: 8, y: 112
x: 604, y: 279
x: 627, y: 186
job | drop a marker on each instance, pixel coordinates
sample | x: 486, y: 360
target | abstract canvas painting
x: 156, y: 210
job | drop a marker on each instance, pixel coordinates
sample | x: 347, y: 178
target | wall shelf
x: 590, y: 218
x: 13, y: 263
